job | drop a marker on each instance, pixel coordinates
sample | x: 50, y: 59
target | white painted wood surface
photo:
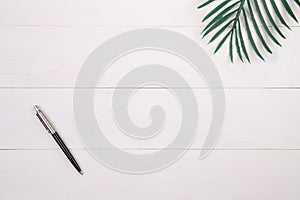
x: 102, y: 13
x: 53, y: 56
x: 223, y: 175
x: 255, y: 119
x: 43, y: 45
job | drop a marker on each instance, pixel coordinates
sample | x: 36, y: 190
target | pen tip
x: 81, y: 172
x: 36, y: 108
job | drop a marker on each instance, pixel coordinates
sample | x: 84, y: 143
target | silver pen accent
x: 44, y: 120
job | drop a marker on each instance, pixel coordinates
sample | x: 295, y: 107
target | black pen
x: 57, y: 138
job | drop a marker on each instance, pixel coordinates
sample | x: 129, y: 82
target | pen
x: 57, y: 138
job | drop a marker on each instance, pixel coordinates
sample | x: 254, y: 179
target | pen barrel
x: 66, y: 151
x: 45, y: 122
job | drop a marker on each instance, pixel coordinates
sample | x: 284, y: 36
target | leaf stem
x: 238, y: 14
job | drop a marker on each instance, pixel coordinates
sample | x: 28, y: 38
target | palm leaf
x: 250, y: 36
x: 242, y: 41
x: 238, y: 49
x: 257, y: 8
x: 215, y: 10
x: 228, y: 16
x: 276, y: 10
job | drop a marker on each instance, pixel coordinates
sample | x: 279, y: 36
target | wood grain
x: 227, y: 174
x: 52, y: 57
x: 107, y: 13
x: 45, y: 43
x: 255, y: 119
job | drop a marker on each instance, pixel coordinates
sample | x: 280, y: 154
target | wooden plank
x: 52, y: 57
x: 255, y: 119
x: 223, y: 175
x: 105, y: 13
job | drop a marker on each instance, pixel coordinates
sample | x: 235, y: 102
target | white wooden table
x: 43, y: 45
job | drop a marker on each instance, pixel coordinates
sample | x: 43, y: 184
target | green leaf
x: 238, y: 45
x: 205, y: 4
x: 257, y: 28
x: 220, y: 31
x: 231, y: 14
x: 250, y: 36
x: 222, y: 42
x: 242, y: 41
x: 289, y: 10
x: 219, y: 16
x: 271, y: 19
x: 220, y: 21
x: 278, y: 14
x: 215, y: 10
x: 261, y: 18
x: 230, y: 47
